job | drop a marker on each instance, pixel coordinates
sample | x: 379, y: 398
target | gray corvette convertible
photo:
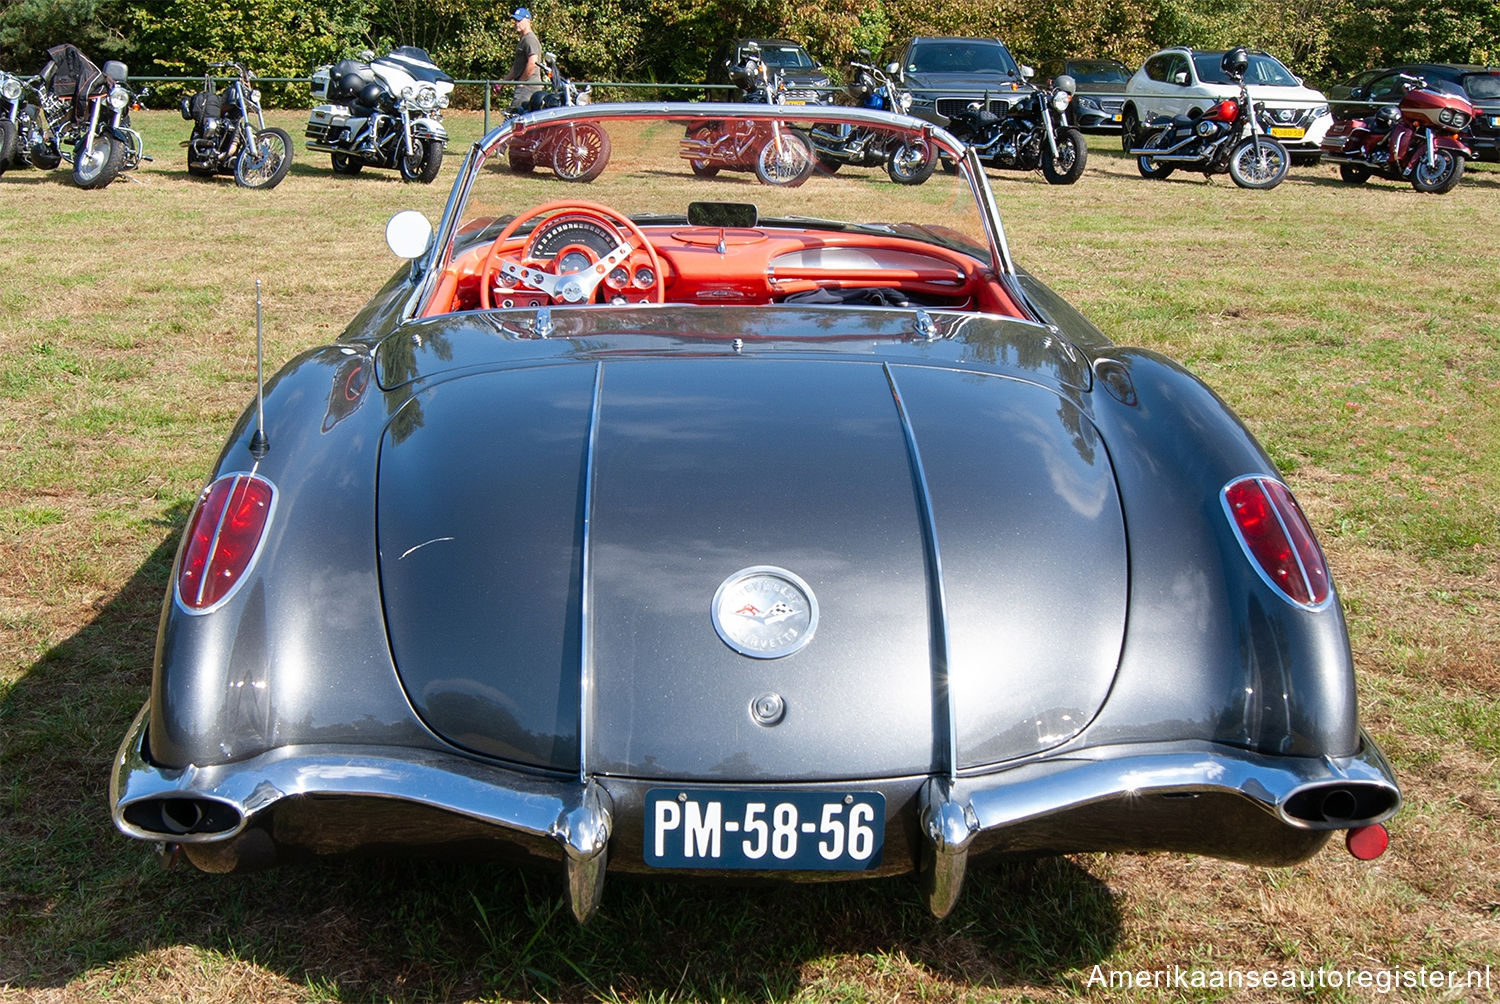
x: 727, y: 517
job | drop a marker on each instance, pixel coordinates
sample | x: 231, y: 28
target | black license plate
x: 764, y: 829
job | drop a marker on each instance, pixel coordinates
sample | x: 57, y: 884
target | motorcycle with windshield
x: 1417, y: 139
x: 230, y: 133
x: 1031, y: 133
x: 577, y: 151
x: 82, y: 115
x: 777, y: 153
x: 382, y: 112
x: 907, y: 162
x: 1231, y: 136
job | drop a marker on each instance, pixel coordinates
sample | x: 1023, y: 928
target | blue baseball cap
x: 521, y: 14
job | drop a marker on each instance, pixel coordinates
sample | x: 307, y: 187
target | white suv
x: 1184, y: 81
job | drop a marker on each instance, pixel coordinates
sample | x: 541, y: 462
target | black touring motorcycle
x: 1029, y: 134
x: 81, y: 114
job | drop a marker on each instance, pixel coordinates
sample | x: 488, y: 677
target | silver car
x: 1185, y: 81
x: 691, y: 526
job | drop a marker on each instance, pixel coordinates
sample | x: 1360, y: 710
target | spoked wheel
x: 912, y: 163
x: 581, y: 153
x: 267, y: 162
x: 1072, y: 155
x: 785, y: 159
x: 1149, y: 166
x: 97, y: 167
x: 423, y: 163
x: 1441, y: 175
x: 1261, y: 164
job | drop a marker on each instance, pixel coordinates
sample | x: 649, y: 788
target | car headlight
x: 10, y: 86
x: 1320, y: 111
x: 119, y: 98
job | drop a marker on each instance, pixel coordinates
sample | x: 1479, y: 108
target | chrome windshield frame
x: 440, y: 251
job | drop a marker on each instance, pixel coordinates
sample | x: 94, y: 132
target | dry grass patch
x: 1357, y: 331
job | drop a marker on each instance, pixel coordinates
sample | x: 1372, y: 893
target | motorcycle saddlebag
x: 202, y: 106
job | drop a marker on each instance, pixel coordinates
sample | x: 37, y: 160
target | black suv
x: 806, y: 81
x: 1365, y: 93
x: 946, y: 75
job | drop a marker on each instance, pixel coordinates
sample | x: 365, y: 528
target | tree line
x: 671, y: 41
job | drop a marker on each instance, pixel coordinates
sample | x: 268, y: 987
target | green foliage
x: 29, y: 27
x: 674, y: 40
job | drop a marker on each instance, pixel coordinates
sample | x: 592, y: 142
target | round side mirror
x: 408, y: 233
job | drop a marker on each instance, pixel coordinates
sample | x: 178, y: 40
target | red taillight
x: 1275, y: 535
x: 222, y: 538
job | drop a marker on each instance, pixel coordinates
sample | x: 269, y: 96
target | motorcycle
x: 382, y: 112
x: 1230, y: 136
x: 778, y: 154
x: 834, y: 146
x: 577, y: 151
x: 224, y: 139
x: 82, y: 115
x: 1032, y: 133
x: 15, y: 121
x: 1416, y: 140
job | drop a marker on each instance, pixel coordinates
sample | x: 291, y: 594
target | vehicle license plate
x: 761, y: 829
x: 1287, y: 132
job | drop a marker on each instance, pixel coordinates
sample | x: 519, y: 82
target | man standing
x: 526, y: 67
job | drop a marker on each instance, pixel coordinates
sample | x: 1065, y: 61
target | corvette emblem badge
x: 765, y: 612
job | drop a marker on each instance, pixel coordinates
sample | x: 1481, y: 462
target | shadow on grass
x: 77, y: 898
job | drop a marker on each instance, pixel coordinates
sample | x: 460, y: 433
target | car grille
x: 948, y: 107
x: 1290, y: 116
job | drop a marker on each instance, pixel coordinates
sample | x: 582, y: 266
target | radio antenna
x: 259, y: 444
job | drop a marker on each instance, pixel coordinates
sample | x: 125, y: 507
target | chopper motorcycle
x: 82, y: 115
x: 16, y: 117
x: 1229, y: 137
x: 230, y: 133
x: 778, y: 154
x: 1416, y: 140
x: 577, y: 151
x: 835, y: 146
x: 382, y: 112
x: 1032, y: 133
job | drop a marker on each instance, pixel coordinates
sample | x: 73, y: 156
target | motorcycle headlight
x: 119, y: 98
x: 584, y: 97
x: 904, y: 101
x: 1061, y: 100
x: 406, y: 93
x: 255, y: 97
x: 10, y: 87
x: 426, y: 97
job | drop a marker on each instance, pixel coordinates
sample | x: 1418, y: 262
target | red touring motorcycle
x: 576, y: 151
x: 778, y: 154
x: 1415, y: 140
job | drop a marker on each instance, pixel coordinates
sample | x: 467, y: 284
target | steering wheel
x: 569, y: 287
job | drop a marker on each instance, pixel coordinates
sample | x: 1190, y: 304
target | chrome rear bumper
x: 1198, y: 798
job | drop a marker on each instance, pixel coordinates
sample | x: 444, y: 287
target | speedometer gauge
x: 564, y: 231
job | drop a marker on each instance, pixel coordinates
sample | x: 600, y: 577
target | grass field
x: 1356, y: 330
